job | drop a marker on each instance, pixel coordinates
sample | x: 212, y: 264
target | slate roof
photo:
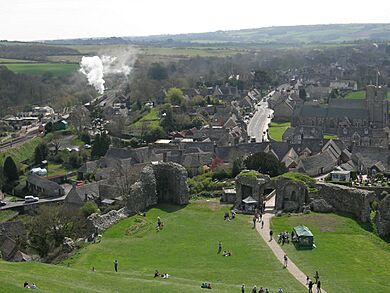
x: 45, y: 184
x: 249, y: 200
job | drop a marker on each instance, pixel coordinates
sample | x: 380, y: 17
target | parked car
x: 30, y: 199
x: 2, y: 203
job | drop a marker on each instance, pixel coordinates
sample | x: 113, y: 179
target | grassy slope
x: 186, y: 249
x: 348, y: 258
x: 7, y: 215
x: 151, y: 120
x: 40, y: 68
x: 277, y: 129
x: 21, y: 152
x: 7, y: 60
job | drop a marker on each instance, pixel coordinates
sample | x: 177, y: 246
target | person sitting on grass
x: 227, y: 253
x: 33, y: 286
x: 165, y: 276
x: 156, y: 274
x: 25, y: 285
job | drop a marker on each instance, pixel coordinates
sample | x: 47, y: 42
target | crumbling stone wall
x: 162, y: 182
x: 346, y: 199
x: 256, y: 184
x: 98, y: 223
x: 291, y: 195
x: 382, y: 217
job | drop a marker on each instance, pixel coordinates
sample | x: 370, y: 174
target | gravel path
x: 275, y: 247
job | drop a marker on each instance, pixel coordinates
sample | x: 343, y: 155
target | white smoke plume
x: 96, y: 68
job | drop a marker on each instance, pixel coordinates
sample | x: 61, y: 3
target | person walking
x: 254, y: 289
x: 262, y: 224
x: 285, y: 260
x: 270, y: 235
x: 243, y: 288
x: 310, y: 286
x: 317, y: 277
x: 254, y: 222
x: 158, y: 222
x: 307, y: 280
x: 319, y: 286
x: 219, y: 247
x: 116, y: 265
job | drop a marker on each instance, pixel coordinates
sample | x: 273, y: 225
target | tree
x: 80, y: 118
x: 126, y: 177
x: 175, y: 96
x: 151, y: 135
x: 40, y: 153
x: 157, y: 72
x: 302, y: 94
x: 89, y: 208
x: 262, y: 78
x: 10, y: 170
x: 265, y: 163
x: 85, y: 137
x: 237, y: 166
x: 100, y: 145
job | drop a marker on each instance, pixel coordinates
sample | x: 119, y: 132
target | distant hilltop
x: 323, y: 33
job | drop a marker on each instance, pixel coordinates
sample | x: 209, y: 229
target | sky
x: 27, y: 20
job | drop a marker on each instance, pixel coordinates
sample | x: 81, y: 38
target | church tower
x: 376, y: 97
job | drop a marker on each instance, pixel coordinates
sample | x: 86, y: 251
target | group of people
x: 205, y: 285
x: 225, y: 252
x: 261, y: 289
x: 164, y: 276
x: 227, y: 216
x: 28, y: 286
x: 258, y: 217
x: 283, y: 237
x: 310, y: 283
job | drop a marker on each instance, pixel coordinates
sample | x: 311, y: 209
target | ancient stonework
x: 253, y: 186
x: 382, y: 217
x: 321, y: 206
x: 161, y: 182
x: 346, y: 199
x: 98, y: 223
x: 291, y: 195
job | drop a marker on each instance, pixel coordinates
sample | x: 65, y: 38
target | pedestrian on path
x: 219, y: 247
x: 310, y: 286
x: 319, y: 286
x: 285, y: 260
x: 317, y: 277
x: 307, y: 280
x: 243, y: 288
x: 116, y: 265
x: 262, y: 224
x: 254, y: 222
x: 270, y: 235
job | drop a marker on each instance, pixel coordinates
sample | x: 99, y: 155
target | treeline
x: 28, y: 51
x: 19, y: 92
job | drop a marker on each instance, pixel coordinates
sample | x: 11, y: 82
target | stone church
x: 360, y: 121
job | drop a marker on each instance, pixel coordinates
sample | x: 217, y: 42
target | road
x: 21, y: 203
x: 259, y: 122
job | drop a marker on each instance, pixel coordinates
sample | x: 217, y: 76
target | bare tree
x: 124, y: 177
x: 80, y: 118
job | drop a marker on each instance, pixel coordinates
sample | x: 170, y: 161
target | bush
x: 85, y: 137
x: 265, y: 163
x: 89, y: 208
x: 10, y: 170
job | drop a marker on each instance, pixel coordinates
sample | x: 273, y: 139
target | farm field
x: 359, y: 95
x: 21, y: 152
x: 277, y: 129
x: 7, y: 60
x: 186, y: 248
x: 348, y: 258
x: 40, y: 68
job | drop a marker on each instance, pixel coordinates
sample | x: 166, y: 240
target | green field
x: 150, y: 120
x: 277, y: 129
x: 7, y: 215
x: 359, y: 95
x: 330, y: 136
x: 7, y: 60
x: 186, y: 249
x: 40, y: 68
x: 348, y: 258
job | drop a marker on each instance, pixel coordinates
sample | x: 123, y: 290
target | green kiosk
x: 303, y: 237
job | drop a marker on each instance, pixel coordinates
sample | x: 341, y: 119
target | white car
x: 30, y: 199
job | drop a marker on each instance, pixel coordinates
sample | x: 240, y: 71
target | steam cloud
x: 95, y: 68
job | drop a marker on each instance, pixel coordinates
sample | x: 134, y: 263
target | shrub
x: 89, y: 208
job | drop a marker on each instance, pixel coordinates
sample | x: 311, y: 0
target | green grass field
x: 330, y: 136
x: 40, y: 68
x: 7, y: 60
x: 348, y: 258
x: 186, y: 249
x: 359, y: 95
x: 7, y: 215
x: 150, y: 120
x: 277, y: 129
